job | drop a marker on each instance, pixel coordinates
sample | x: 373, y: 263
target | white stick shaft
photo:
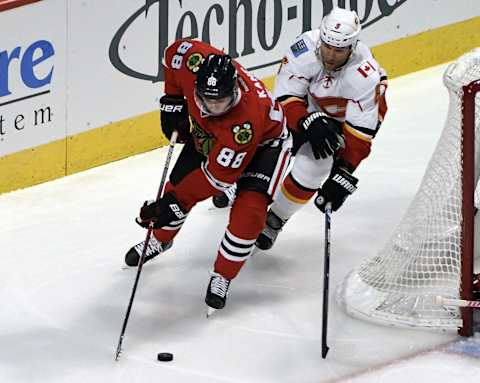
x: 457, y: 302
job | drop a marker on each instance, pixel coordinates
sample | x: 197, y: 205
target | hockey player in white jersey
x: 332, y: 90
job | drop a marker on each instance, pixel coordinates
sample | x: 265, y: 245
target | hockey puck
x: 165, y: 357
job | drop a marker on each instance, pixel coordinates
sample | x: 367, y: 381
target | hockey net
x: 431, y: 251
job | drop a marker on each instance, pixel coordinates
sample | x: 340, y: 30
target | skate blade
x: 210, y: 311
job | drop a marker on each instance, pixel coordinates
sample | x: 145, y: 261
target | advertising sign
x: 80, y: 81
x: 32, y: 78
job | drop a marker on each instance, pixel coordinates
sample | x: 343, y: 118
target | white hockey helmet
x: 340, y: 28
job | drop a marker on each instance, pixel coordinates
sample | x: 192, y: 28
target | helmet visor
x: 216, y: 106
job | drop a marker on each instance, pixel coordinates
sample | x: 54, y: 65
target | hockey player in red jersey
x: 234, y: 131
x: 332, y: 91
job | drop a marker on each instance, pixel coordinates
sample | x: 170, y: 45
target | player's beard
x: 333, y: 66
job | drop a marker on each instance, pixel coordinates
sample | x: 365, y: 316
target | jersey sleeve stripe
x: 280, y: 169
x: 290, y: 99
x: 359, y: 132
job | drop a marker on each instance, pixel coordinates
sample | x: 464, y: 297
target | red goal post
x: 431, y: 252
x: 470, y: 120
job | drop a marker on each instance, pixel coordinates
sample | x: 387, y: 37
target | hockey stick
x: 456, y: 302
x: 326, y: 277
x: 173, y: 140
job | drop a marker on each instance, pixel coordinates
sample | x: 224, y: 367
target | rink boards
x: 80, y: 84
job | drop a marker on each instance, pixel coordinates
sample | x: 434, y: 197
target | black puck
x: 220, y: 201
x: 165, y: 356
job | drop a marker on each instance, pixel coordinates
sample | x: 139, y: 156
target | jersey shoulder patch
x: 361, y: 79
x: 299, y: 48
x: 367, y: 69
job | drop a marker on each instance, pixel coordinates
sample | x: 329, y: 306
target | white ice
x: 63, y: 292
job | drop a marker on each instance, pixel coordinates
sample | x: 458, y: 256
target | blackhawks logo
x: 204, y: 142
x: 242, y: 134
x: 194, y: 61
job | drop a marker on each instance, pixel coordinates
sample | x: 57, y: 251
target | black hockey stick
x: 173, y: 140
x: 326, y: 277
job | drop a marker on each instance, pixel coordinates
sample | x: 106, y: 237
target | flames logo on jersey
x: 204, y: 142
x: 243, y: 134
x: 194, y: 61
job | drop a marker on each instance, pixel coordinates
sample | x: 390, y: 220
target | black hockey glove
x: 174, y: 116
x: 162, y: 212
x: 323, y: 134
x: 336, y: 188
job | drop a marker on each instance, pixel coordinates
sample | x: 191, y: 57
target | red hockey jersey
x: 228, y: 141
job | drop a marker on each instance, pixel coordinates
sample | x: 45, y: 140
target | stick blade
x: 325, y: 351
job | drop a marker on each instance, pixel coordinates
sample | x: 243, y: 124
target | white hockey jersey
x: 348, y: 94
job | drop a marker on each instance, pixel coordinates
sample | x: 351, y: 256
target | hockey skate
x: 226, y: 198
x: 154, y: 248
x: 217, y: 291
x: 269, y: 234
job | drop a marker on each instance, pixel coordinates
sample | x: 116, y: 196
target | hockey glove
x: 336, y: 188
x: 174, y: 116
x: 163, y: 212
x: 322, y: 133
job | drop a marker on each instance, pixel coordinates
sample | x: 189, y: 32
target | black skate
x: 269, y: 234
x: 154, y: 248
x: 217, y: 291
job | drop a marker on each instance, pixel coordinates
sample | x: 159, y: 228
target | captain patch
x: 299, y: 47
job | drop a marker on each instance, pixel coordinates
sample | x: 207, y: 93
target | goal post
x: 431, y: 252
x: 470, y: 123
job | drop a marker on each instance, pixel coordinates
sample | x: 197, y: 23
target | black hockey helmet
x: 216, y: 80
x: 216, y: 77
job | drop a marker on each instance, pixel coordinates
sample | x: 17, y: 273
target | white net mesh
x: 422, y: 258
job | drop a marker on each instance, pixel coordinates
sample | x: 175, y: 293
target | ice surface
x: 64, y: 292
